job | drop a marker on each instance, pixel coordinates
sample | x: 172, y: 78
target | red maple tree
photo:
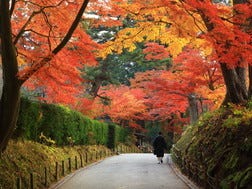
x: 33, y: 34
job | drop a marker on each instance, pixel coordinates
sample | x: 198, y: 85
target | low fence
x: 194, y: 170
x: 48, y: 175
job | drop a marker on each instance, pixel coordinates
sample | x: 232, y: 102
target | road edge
x: 69, y: 176
x: 181, y: 176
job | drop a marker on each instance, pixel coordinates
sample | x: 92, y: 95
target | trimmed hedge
x: 60, y: 123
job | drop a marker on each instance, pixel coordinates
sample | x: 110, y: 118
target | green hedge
x: 116, y: 134
x: 59, y: 123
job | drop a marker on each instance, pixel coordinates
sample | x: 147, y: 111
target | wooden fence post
x: 81, y: 160
x: 86, y: 157
x: 46, y: 177
x: 56, y: 171
x: 19, y: 184
x: 62, y: 167
x: 69, y: 165
x: 31, y: 181
x: 76, y: 162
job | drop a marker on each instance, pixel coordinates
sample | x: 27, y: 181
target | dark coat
x: 159, y: 146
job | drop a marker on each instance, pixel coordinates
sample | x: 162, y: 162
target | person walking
x: 159, y: 145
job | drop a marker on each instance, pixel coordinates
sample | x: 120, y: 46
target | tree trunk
x: 250, y: 83
x: 193, y: 108
x: 236, y: 91
x: 9, y: 104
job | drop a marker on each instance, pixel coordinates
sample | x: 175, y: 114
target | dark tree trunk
x: 250, y: 83
x: 96, y: 84
x: 10, y: 99
x: 99, y: 79
x: 193, y: 108
x: 9, y: 104
x: 236, y: 91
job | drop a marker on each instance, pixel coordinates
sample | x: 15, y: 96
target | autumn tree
x: 126, y: 106
x: 224, y: 29
x: 204, y: 78
x: 169, y: 92
x: 118, y: 68
x: 203, y: 25
x: 33, y: 35
x: 229, y: 31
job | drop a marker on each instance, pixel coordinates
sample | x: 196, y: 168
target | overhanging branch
x: 33, y: 69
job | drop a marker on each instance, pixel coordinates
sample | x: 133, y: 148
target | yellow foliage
x: 204, y: 46
x: 217, y: 96
x: 170, y: 25
x: 21, y: 61
x: 176, y: 46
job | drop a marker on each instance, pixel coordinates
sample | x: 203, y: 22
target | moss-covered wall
x: 217, y: 151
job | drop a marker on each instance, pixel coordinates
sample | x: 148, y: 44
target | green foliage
x: 123, y: 135
x: 30, y: 116
x: 59, y: 123
x: 131, y: 139
x: 119, y: 69
x: 209, y: 118
x: 111, y: 136
x: 249, y: 105
x: 242, y: 178
x: 232, y: 122
x: 239, y: 115
x: 116, y: 135
x: 152, y: 127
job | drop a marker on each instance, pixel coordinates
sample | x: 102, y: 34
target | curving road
x: 125, y: 171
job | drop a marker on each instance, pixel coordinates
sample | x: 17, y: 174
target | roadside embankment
x: 216, y: 152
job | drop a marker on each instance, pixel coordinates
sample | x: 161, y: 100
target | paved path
x: 125, y: 171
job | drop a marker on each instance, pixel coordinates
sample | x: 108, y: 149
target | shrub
x: 60, y: 124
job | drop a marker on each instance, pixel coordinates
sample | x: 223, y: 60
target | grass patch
x: 24, y: 157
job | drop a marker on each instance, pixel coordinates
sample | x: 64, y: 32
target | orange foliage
x: 155, y: 51
x: 126, y: 104
x: 179, y: 27
x: 223, y: 29
x: 38, y: 28
x: 167, y: 92
x: 203, y: 72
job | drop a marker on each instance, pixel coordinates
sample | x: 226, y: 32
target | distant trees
x: 221, y: 31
